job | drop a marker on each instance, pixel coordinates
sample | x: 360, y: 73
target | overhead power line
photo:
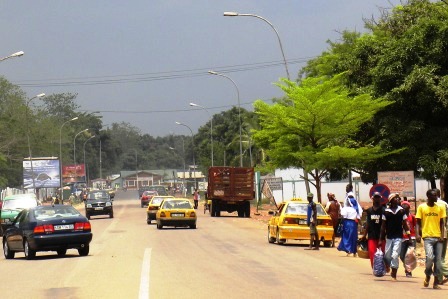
x: 156, y: 76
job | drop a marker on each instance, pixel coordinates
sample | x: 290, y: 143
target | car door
x: 14, y: 233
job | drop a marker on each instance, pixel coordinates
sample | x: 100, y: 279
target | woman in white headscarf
x: 351, y: 213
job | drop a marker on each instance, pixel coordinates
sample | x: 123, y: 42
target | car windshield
x: 176, y: 204
x: 49, y: 212
x: 98, y: 195
x: 295, y: 208
x: 21, y: 203
x: 156, y: 200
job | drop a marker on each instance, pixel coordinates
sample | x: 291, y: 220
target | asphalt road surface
x: 226, y: 257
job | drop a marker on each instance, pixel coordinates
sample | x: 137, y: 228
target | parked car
x: 47, y: 228
x: 153, y: 206
x: 13, y: 204
x: 176, y: 212
x: 289, y: 223
x: 146, y: 197
x: 99, y: 203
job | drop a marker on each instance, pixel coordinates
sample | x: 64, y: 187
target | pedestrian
x: 333, y: 208
x: 392, y: 226
x: 351, y: 213
x: 72, y: 198
x: 443, y: 277
x: 372, y: 230
x: 196, y: 198
x: 411, y: 221
x: 311, y: 221
x: 430, y: 227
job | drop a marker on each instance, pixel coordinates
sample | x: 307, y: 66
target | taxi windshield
x: 295, y: 208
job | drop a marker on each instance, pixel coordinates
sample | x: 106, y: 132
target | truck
x: 230, y: 189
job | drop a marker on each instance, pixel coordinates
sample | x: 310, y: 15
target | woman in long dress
x: 350, y: 214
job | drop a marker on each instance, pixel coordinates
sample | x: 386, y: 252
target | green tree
x: 317, y: 130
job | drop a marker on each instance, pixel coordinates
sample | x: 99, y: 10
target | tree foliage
x: 316, y: 132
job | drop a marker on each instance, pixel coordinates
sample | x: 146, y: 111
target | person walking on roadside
x: 392, y: 226
x: 430, y: 227
x: 311, y: 220
x: 333, y: 208
x: 443, y: 277
x: 405, y: 244
x: 196, y: 198
x: 351, y: 213
x: 372, y: 230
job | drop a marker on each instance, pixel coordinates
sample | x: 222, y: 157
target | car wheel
x: 29, y: 253
x: 8, y: 253
x: 279, y: 241
x: 159, y: 225
x: 111, y: 215
x: 61, y: 252
x: 84, y: 251
x: 270, y: 239
x: 328, y: 243
x: 193, y: 226
x: 88, y: 216
x: 148, y: 221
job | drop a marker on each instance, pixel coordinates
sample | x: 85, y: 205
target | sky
x: 143, y: 61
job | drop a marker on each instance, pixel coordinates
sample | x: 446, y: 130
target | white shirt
x: 349, y: 213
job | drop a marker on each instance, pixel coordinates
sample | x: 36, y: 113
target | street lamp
x: 235, y: 14
x: 84, y: 150
x: 74, y: 145
x: 192, y: 140
x: 28, y: 137
x: 211, y: 124
x: 17, y: 54
x: 239, y: 110
x: 60, y: 152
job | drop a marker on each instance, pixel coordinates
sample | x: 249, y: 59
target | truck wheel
x: 247, y: 209
x: 240, y: 211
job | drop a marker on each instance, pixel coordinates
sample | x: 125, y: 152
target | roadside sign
x: 401, y: 182
x: 383, y: 190
x: 274, y: 183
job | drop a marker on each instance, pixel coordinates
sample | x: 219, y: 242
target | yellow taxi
x: 289, y: 223
x: 153, y: 206
x: 176, y: 212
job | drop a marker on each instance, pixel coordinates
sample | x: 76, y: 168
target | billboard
x: 401, y: 182
x: 73, y: 173
x: 45, y: 173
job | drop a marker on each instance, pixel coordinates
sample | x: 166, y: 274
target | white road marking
x: 144, y: 276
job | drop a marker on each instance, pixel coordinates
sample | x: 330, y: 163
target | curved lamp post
x: 28, y: 136
x: 84, y: 151
x: 211, y: 124
x: 60, y: 152
x: 236, y: 14
x: 17, y: 54
x: 74, y: 145
x: 239, y: 110
x: 192, y: 139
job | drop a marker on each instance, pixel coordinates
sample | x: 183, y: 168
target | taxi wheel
x: 328, y: 243
x: 159, y: 226
x: 270, y: 239
x: 279, y: 241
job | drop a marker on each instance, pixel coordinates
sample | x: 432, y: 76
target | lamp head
x: 17, y: 54
x: 212, y: 73
x: 178, y: 123
x: 230, y: 14
x: 41, y: 95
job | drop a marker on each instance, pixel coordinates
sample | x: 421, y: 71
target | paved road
x: 226, y: 257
